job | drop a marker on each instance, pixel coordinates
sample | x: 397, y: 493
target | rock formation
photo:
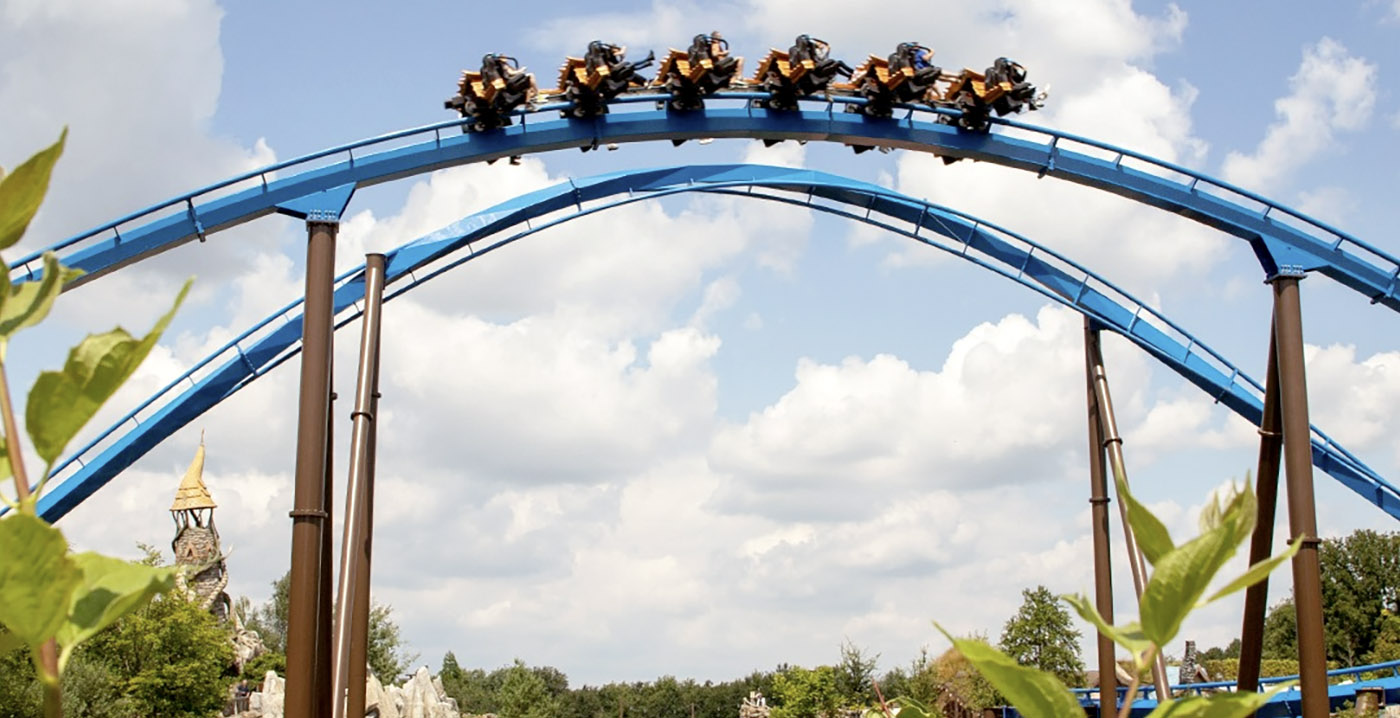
x: 421, y: 696
x: 755, y: 706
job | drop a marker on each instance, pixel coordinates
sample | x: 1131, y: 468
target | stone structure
x: 1191, y: 669
x: 196, y: 545
x: 196, y: 541
x: 420, y: 697
x: 755, y: 706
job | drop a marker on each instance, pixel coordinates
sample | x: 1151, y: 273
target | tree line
x: 1041, y: 634
x: 173, y: 660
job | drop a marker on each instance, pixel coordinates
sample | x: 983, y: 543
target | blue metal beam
x: 271, y: 342
x: 1283, y: 239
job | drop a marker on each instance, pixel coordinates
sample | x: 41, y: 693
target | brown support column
x: 359, y: 636
x: 1113, y: 444
x: 1098, y: 500
x: 1256, y: 597
x: 1302, y: 513
x: 308, y: 514
x: 351, y: 553
x: 325, y: 615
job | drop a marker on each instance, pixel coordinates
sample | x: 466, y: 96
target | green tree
x: 1281, y: 631
x: 269, y: 621
x: 1360, y: 586
x: 475, y: 690
x: 524, y: 694
x: 803, y: 693
x: 1216, y: 653
x: 1387, y: 645
x: 169, y: 658
x: 855, y: 675
x: 386, y: 651
x: 952, y: 678
x: 1042, y: 635
x: 385, y: 647
x: 89, y: 688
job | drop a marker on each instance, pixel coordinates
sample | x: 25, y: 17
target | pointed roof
x: 193, y: 494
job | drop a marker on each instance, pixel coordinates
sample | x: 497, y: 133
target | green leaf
x: 111, y: 588
x: 5, y: 472
x: 37, y: 577
x: 9, y: 643
x: 1178, y: 581
x: 1239, y: 507
x: 1257, y: 572
x: 1151, y: 535
x: 61, y: 402
x: 29, y: 302
x: 1220, y: 705
x: 1128, y: 636
x: 1181, y: 577
x: 22, y: 191
x: 1035, y: 694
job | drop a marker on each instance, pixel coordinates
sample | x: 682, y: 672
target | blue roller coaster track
x: 321, y: 185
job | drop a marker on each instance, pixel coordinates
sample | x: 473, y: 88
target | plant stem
x: 48, y: 652
x: 1131, y: 695
x: 12, y: 447
x: 53, y: 699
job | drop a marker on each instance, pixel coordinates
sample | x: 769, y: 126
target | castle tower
x: 197, y: 540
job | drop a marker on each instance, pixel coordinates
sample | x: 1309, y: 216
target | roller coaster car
x: 906, y: 76
x: 804, y: 70
x: 1002, y: 88
x: 489, y: 96
x: 603, y: 73
x: 692, y: 75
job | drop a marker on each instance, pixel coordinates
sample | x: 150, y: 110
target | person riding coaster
x: 602, y: 74
x: 1021, y: 95
x: 489, y: 96
x: 805, y: 70
x: 907, y: 75
x: 694, y: 74
x: 1002, y: 88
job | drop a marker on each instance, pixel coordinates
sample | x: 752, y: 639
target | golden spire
x: 192, y: 493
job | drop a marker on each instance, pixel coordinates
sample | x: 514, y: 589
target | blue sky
x: 730, y: 435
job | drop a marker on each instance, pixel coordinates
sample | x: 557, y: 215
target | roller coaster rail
x: 1381, y: 288
x: 265, y: 346
x: 1356, y: 676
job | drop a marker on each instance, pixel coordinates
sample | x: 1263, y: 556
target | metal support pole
x: 351, y: 558
x: 1098, y: 500
x: 1113, y: 443
x: 309, y: 517
x: 325, y: 605
x: 1302, y: 513
x: 359, y: 634
x: 1261, y: 545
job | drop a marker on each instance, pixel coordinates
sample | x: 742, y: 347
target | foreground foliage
x: 1180, y: 577
x: 52, y: 601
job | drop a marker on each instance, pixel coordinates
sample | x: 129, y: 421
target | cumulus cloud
x: 137, y: 103
x: 983, y: 419
x: 1332, y: 91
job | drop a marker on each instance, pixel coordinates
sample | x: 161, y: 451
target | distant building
x: 197, y: 541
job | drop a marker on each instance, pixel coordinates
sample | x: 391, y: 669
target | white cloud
x: 1332, y: 91
x: 137, y: 103
x: 982, y: 419
x: 1357, y: 401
